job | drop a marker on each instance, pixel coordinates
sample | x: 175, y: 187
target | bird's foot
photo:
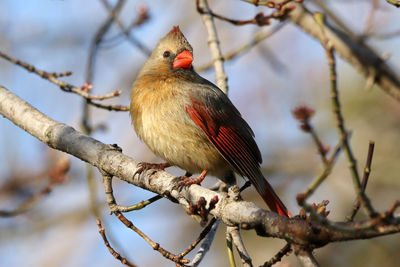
x: 144, y: 166
x: 186, y: 181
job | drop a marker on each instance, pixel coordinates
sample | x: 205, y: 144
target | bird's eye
x: 166, y: 54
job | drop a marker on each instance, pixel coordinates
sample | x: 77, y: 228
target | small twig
x: 335, y: 18
x: 367, y: 171
x: 392, y: 209
x: 143, y: 16
x: 53, y: 78
x: 230, y: 250
x: 271, y: 4
x: 396, y: 3
x: 114, y: 207
x: 234, y: 232
x: 260, y: 19
x: 278, y: 256
x: 370, y: 18
x: 97, y: 39
x: 242, y: 49
x: 324, y: 174
x: 304, y: 114
x: 202, y: 235
x: 112, y: 251
x: 205, y: 245
x: 109, y: 107
x: 154, y: 245
x: 140, y: 205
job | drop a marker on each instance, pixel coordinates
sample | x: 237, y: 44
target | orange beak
x: 183, y: 60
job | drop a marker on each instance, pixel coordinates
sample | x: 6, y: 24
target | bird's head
x: 174, y: 51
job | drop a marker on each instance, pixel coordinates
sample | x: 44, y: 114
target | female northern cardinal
x: 191, y: 123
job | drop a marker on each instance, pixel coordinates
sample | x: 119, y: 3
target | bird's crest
x: 175, y: 29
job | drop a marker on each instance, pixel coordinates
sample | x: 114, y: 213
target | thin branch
x: 143, y: 16
x: 205, y: 245
x: 367, y: 171
x: 112, y: 251
x: 304, y: 114
x: 88, y: 128
x: 246, y: 47
x: 202, y: 235
x: 140, y: 205
x: 53, y: 78
x: 370, y: 17
x: 234, y: 232
x: 278, y: 256
x: 336, y: 109
x: 213, y: 43
x: 97, y: 39
x: 324, y: 174
x: 343, y: 135
x: 282, y: 9
x: 115, y: 207
x: 329, y: 13
x: 229, y: 247
x: 396, y: 3
x: 109, y: 107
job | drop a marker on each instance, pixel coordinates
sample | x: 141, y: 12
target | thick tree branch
x: 314, y: 233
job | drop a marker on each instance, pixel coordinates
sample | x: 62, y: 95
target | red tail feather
x: 273, y: 201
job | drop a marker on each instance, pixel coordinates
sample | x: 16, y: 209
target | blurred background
x: 266, y: 83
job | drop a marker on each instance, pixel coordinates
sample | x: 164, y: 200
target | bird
x: 191, y: 123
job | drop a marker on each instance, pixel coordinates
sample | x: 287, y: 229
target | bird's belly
x: 182, y: 144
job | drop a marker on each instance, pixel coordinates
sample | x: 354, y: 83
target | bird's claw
x: 186, y: 181
x: 144, y: 166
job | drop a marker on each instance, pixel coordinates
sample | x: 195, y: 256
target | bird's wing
x: 225, y: 128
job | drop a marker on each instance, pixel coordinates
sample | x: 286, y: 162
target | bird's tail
x: 270, y: 197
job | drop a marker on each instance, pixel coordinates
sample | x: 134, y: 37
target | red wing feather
x: 227, y: 139
x: 237, y: 146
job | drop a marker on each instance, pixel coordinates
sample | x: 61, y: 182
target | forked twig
x: 107, y: 181
x: 367, y: 171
